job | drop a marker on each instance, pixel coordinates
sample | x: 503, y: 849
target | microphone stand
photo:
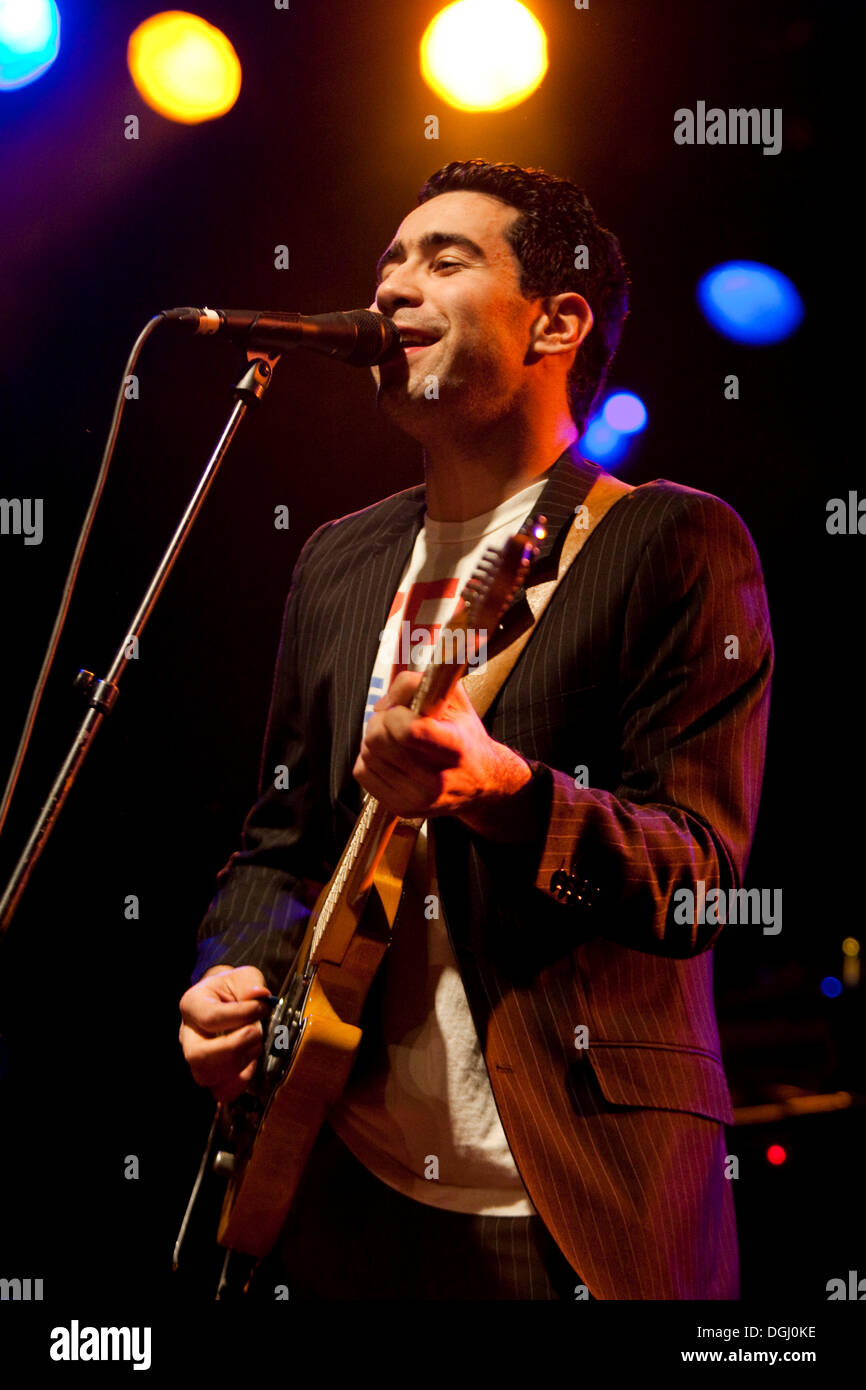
x: 101, y: 695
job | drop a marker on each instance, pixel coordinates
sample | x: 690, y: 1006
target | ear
x: 562, y: 325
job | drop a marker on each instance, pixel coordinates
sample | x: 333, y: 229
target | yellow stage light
x: 183, y: 67
x: 484, y: 55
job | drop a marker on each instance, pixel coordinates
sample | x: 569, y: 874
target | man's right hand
x: 221, y: 1031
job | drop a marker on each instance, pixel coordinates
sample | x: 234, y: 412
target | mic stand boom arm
x: 102, y: 694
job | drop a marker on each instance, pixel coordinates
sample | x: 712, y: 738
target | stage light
x: 183, y: 67
x: 609, y: 431
x: 750, y: 302
x: 625, y: 412
x: 850, y: 962
x: 601, y: 443
x: 29, y: 41
x: 831, y: 988
x: 776, y: 1155
x: 484, y: 55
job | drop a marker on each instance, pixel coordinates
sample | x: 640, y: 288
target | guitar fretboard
x: 348, y: 860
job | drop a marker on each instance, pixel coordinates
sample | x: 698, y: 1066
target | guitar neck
x: 353, y: 876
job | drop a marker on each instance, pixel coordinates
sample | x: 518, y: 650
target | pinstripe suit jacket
x: 620, y: 1143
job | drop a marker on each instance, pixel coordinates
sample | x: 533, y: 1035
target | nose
x: 399, y: 288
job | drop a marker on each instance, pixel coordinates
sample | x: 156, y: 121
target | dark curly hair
x: 555, y: 218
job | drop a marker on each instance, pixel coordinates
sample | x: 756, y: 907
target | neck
x: 473, y: 473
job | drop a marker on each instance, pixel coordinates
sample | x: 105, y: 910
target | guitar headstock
x: 498, y: 577
x: 482, y: 604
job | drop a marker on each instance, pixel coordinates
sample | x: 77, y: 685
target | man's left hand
x: 447, y: 766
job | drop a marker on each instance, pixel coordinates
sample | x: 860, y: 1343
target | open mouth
x: 414, y: 341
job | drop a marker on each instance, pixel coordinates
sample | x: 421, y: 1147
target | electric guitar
x: 266, y: 1135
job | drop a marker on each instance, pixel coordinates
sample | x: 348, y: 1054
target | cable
x: 72, y: 576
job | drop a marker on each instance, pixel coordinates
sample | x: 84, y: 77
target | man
x: 537, y: 1110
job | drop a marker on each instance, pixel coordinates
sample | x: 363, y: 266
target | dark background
x: 324, y: 152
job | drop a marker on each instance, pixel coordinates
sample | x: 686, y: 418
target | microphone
x: 358, y: 337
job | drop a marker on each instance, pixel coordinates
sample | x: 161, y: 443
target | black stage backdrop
x: 324, y: 153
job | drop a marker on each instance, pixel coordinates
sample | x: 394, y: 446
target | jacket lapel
x: 370, y: 586
x: 568, y: 483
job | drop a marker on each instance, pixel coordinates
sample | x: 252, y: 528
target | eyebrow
x: 430, y: 241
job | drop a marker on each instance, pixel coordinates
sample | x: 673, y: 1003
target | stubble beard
x: 466, y: 403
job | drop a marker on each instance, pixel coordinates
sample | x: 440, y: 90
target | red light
x: 776, y: 1155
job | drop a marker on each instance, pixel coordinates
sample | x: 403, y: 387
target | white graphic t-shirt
x: 419, y: 1111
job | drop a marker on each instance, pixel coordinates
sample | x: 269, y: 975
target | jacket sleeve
x: 263, y: 900
x: 693, y: 688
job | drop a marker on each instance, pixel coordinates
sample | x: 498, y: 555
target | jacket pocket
x: 661, y: 1077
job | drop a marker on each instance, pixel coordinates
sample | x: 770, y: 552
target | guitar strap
x: 483, y: 686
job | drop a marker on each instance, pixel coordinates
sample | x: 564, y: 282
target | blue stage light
x: 831, y: 988
x: 610, y: 429
x: 29, y: 40
x: 625, y: 412
x: 750, y: 302
x: 601, y: 444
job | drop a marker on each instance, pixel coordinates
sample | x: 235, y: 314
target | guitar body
x: 319, y: 1018
x: 257, y: 1202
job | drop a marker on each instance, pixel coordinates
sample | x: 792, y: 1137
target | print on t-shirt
x: 412, y: 630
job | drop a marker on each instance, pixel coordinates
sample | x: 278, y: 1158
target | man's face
x: 450, y: 278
